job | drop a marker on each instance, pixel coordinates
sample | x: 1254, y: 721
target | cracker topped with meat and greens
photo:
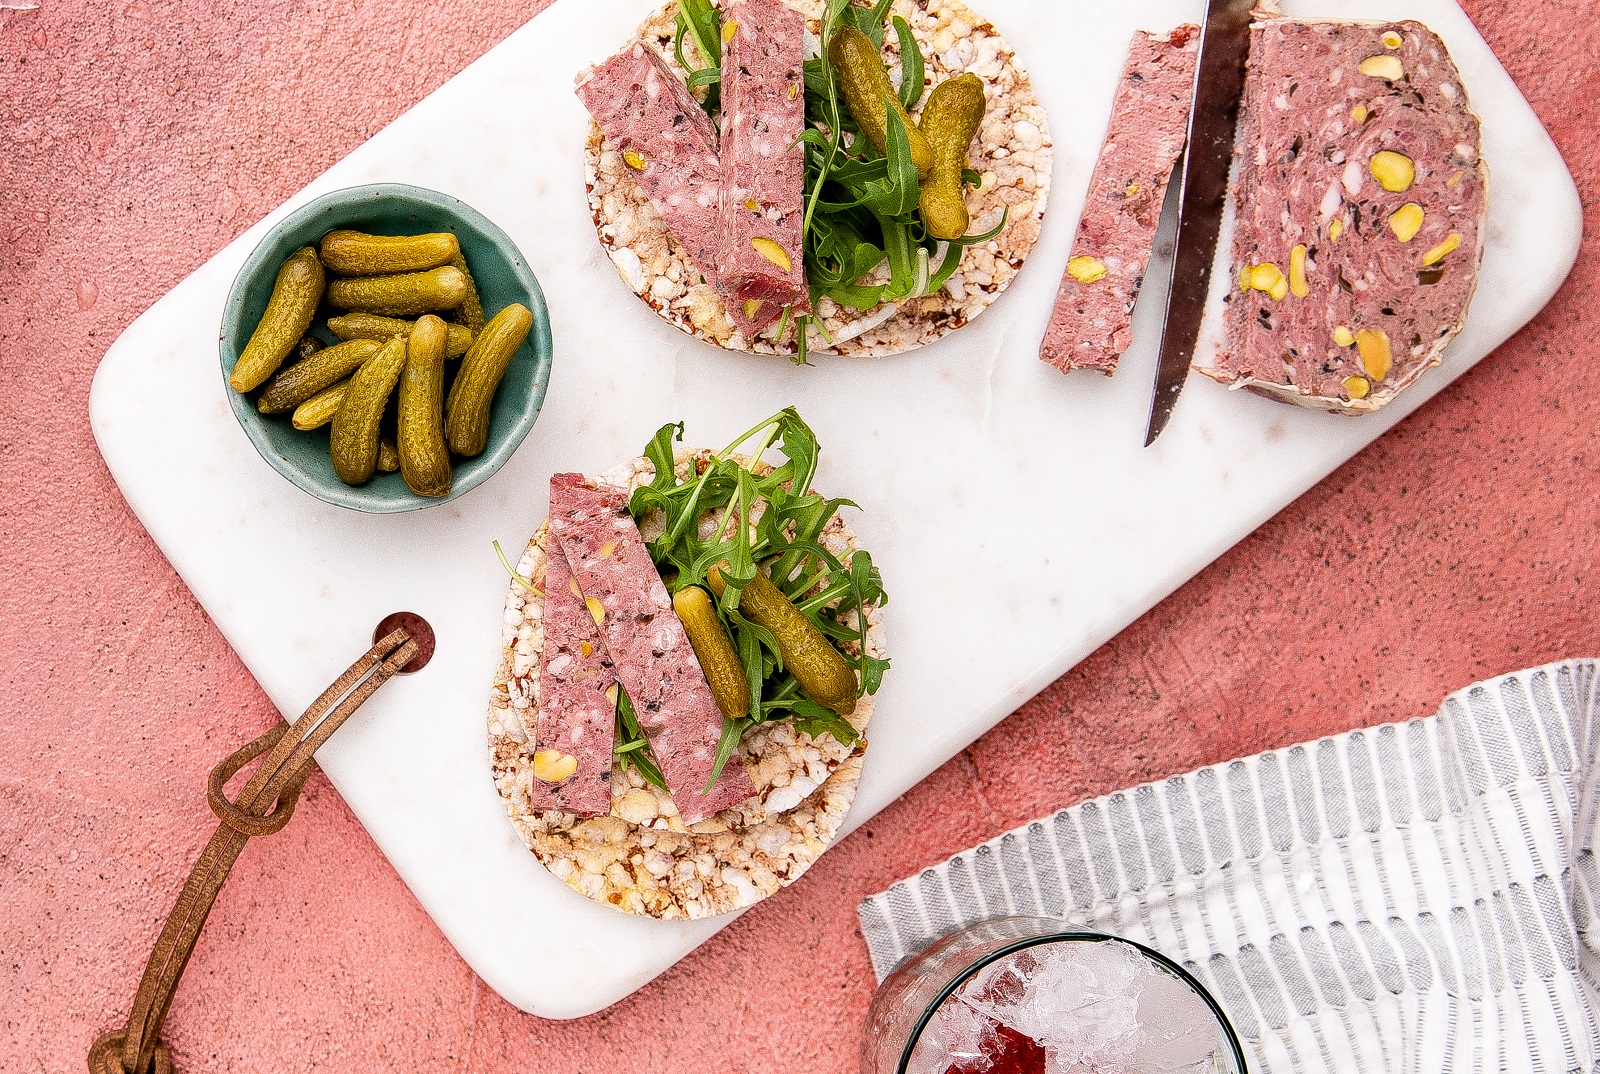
x: 690, y: 647
x: 790, y: 176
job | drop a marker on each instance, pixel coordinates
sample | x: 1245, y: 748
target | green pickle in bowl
x: 355, y: 339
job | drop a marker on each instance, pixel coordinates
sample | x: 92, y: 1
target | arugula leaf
x: 897, y: 192
x: 515, y: 577
x: 912, y: 72
x: 660, y: 452
x: 699, y: 21
x: 732, y: 732
x: 632, y: 747
x: 817, y: 721
x: 772, y: 520
x: 952, y: 254
x: 869, y: 20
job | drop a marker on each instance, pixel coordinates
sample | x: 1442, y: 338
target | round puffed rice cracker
x: 1012, y: 152
x: 641, y: 859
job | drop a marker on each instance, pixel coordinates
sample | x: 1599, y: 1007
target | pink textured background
x: 141, y: 137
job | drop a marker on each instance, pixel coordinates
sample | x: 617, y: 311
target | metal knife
x: 1202, y: 193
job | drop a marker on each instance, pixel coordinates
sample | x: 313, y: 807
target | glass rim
x: 1065, y: 936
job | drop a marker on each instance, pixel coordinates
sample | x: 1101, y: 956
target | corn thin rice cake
x: 641, y: 858
x: 1012, y: 152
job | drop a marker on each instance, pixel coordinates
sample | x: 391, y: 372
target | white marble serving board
x: 1017, y: 519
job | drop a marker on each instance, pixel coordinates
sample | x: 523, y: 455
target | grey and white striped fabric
x: 1412, y: 897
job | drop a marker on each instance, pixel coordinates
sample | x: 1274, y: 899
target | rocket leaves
x: 723, y: 513
x: 700, y: 22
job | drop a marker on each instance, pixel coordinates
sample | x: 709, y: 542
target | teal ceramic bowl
x: 502, y: 276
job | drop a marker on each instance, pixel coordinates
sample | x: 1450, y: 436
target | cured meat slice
x: 1361, y: 198
x: 653, y: 658
x: 577, y: 703
x: 1090, y: 326
x: 760, y: 259
x: 667, y: 141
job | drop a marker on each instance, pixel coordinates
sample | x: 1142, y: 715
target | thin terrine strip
x: 760, y: 259
x: 654, y: 661
x: 1090, y: 326
x: 577, y: 702
x: 1361, y: 200
x: 667, y: 141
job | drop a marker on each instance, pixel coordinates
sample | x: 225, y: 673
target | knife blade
x: 1202, y: 194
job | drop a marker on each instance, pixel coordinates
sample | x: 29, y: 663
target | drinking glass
x: 905, y: 1004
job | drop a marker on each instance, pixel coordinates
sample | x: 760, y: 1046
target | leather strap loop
x: 264, y: 806
x: 245, y: 823
x: 105, y: 1055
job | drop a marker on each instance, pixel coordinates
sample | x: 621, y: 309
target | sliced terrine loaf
x: 1360, y: 196
x: 1090, y: 325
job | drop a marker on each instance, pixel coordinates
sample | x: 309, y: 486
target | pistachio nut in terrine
x: 1360, y: 196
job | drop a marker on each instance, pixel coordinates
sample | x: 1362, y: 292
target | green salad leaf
x: 912, y: 70
x: 729, y: 515
x: 869, y: 20
x: 699, y: 21
x: 632, y: 748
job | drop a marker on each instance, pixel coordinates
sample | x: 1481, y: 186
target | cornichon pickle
x: 869, y: 94
x: 714, y: 649
x: 949, y: 120
x: 354, y: 439
x: 405, y: 295
x: 317, y: 411
x: 292, y: 386
x: 466, y: 423
x: 823, y: 673
x: 295, y: 295
x: 355, y: 253
x: 307, y: 346
x: 349, y: 326
x: 471, y: 308
x: 388, y: 456
x: 424, y: 456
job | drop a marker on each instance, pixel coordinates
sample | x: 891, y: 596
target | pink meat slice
x: 576, y: 716
x: 1311, y: 123
x: 654, y: 661
x: 763, y: 170
x: 648, y: 115
x: 1090, y: 326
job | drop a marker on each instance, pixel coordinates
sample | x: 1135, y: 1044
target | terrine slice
x: 667, y: 141
x: 654, y: 661
x: 1360, y: 195
x: 576, y: 729
x: 1090, y: 326
x: 760, y: 258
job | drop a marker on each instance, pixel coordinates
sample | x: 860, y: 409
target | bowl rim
x: 1064, y: 935
x: 496, y: 454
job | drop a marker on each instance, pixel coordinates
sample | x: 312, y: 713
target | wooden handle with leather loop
x: 262, y: 808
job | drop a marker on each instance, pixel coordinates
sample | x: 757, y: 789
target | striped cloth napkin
x: 1412, y: 897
